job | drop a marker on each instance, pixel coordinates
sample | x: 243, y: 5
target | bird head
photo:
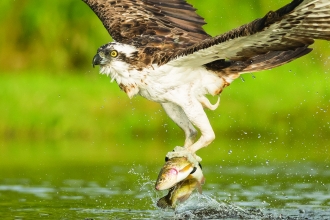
x: 115, y: 56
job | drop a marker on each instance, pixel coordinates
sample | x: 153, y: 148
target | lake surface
x: 299, y: 190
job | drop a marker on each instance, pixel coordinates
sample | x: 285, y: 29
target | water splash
x: 201, y: 206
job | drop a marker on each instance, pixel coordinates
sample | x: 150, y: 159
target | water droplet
x: 230, y: 151
x: 259, y: 135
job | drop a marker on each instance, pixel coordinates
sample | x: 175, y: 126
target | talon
x: 166, y: 159
x: 183, y: 152
x: 200, y: 165
x: 193, y: 171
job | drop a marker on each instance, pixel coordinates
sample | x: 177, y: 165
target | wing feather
x: 265, y: 61
x: 150, y: 22
x: 295, y: 25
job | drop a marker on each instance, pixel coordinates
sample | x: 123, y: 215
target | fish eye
x: 114, y: 53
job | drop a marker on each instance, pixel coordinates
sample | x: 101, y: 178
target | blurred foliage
x: 64, y: 35
x: 52, y: 35
x: 51, y: 97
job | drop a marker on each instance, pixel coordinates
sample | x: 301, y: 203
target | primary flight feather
x: 161, y: 52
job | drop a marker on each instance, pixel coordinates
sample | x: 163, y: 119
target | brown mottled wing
x: 265, y: 61
x: 150, y: 23
x: 294, y: 26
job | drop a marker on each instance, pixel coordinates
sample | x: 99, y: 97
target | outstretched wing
x: 287, y: 31
x: 165, y: 24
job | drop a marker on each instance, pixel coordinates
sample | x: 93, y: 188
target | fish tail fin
x: 164, y: 203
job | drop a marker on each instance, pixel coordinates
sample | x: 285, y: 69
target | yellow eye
x: 114, y: 53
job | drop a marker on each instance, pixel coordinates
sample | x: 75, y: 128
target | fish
x: 174, y: 171
x: 180, y: 192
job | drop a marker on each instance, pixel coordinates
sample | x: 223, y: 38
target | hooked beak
x: 97, y: 60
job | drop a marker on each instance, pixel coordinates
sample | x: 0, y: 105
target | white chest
x: 160, y: 83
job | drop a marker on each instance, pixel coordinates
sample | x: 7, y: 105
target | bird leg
x: 193, y: 110
x: 176, y: 113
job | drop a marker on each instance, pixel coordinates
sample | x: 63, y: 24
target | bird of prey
x: 161, y: 52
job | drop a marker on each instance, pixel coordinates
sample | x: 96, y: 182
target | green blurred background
x: 55, y: 108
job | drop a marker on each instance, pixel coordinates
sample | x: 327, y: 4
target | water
x: 299, y: 190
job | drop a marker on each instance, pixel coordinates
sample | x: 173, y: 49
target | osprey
x: 161, y: 52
